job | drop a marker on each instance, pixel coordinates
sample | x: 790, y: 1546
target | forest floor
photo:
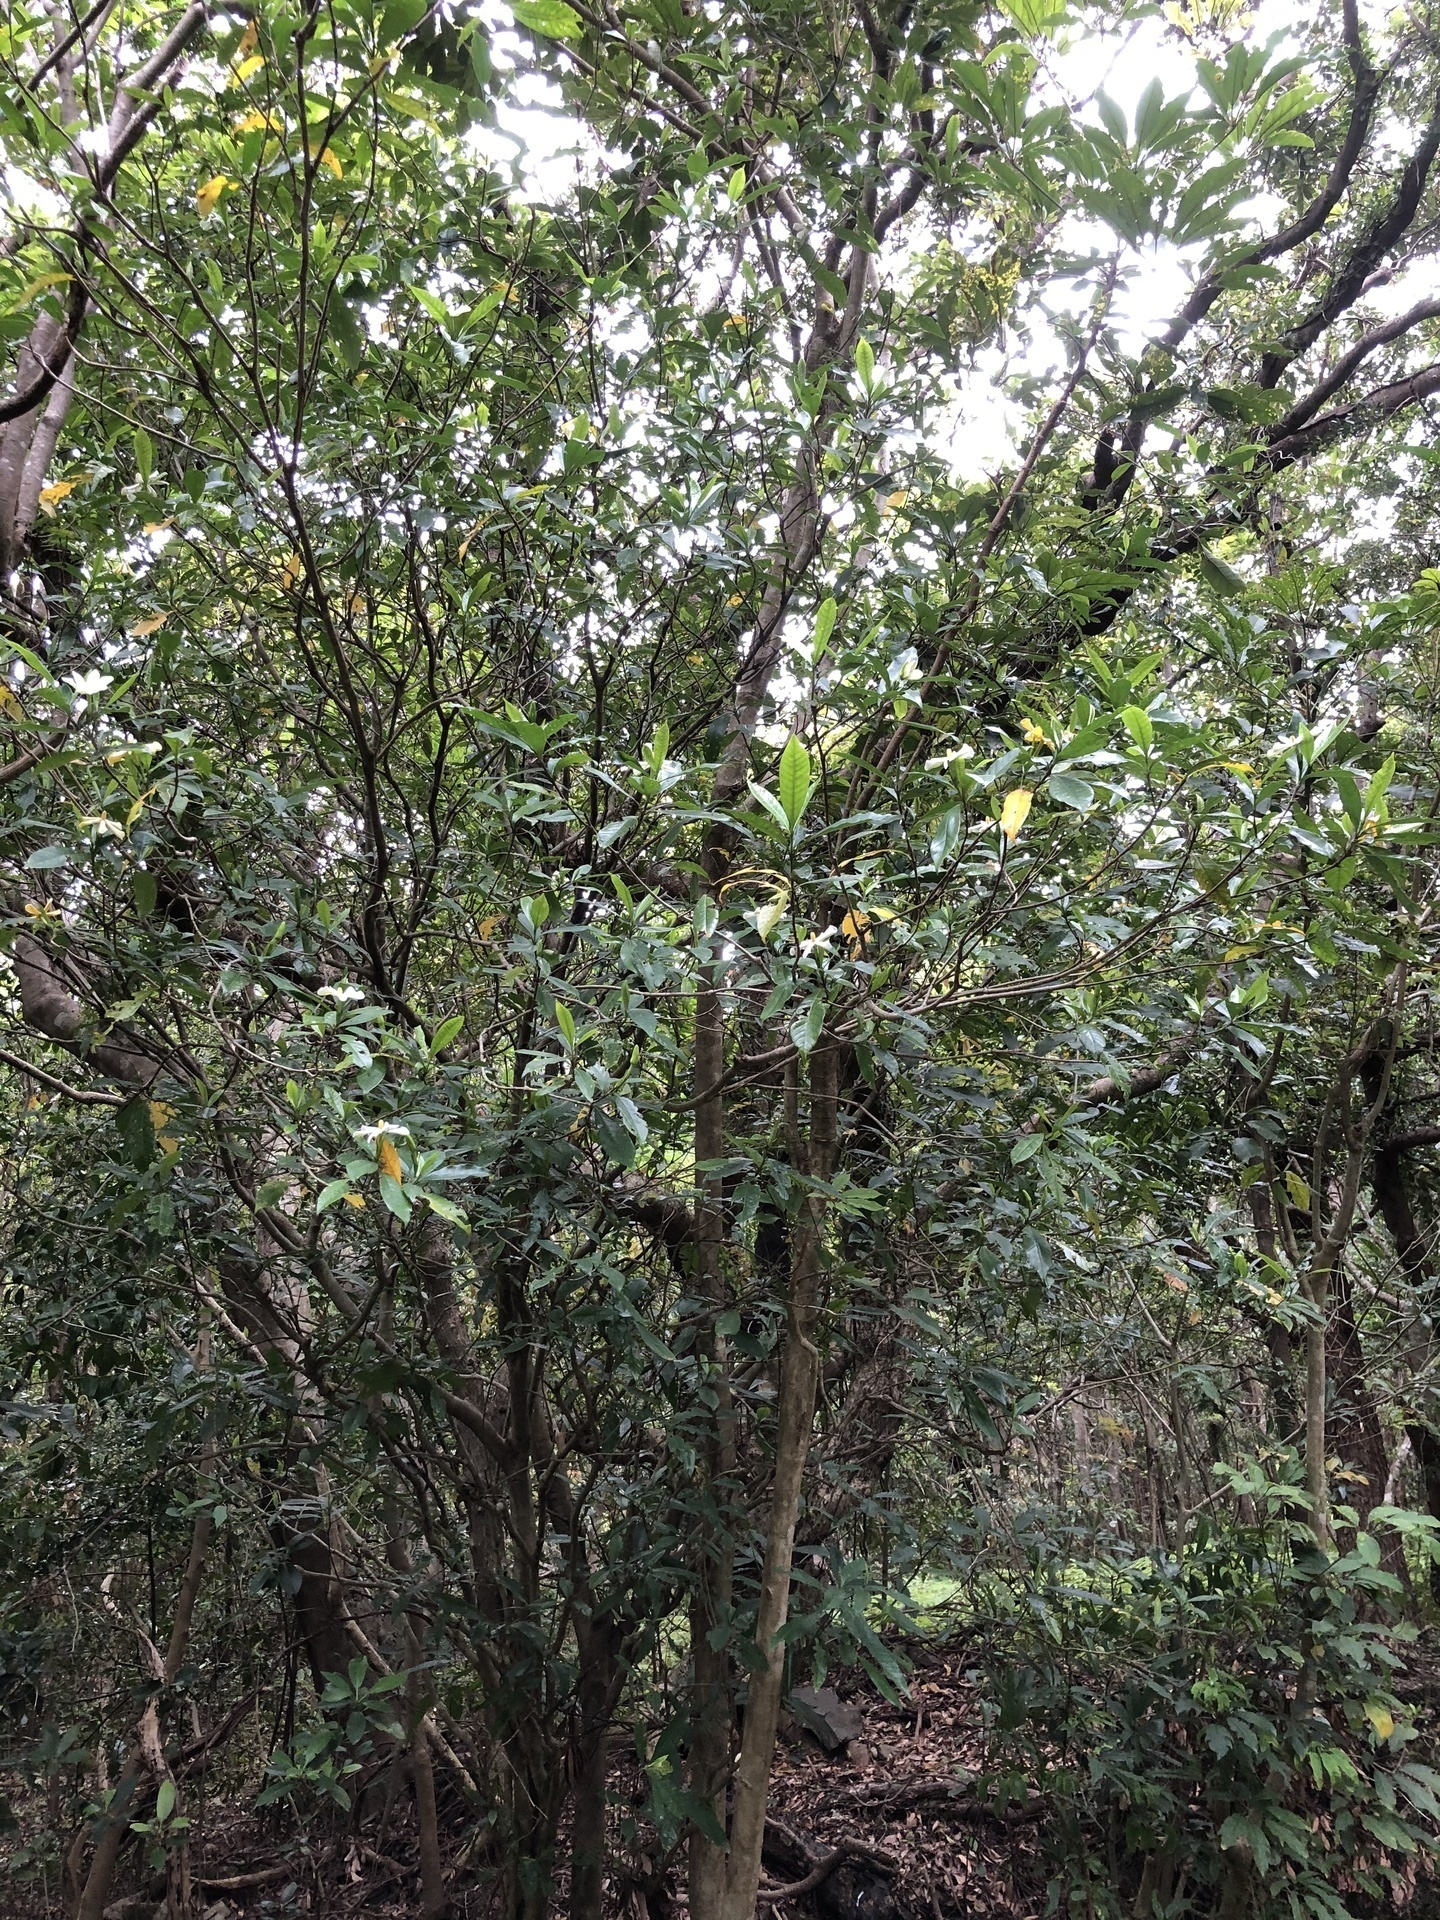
x: 899, y: 1794
x: 903, y: 1797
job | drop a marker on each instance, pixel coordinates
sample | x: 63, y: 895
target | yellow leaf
x: 160, y: 1113
x: 325, y: 158
x: 1380, y: 1718
x: 767, y: 918
x: 895, y: 500
x: 1015, y: 812
x: 389, y: 1159
x: 166, y: 1142
x: 253, y: 122
x: 290, y: 573
x: 248, y: 40
x: 45, y: 280
x: 1174, y: 1280
x: 1298, y: 1188
x: 207, y: 198
x: 158, y: 526
x: 151, y: 625
x: 58, y: 490
x: 356, y: 1200
x: 9, y: 704
x: 246, y: 68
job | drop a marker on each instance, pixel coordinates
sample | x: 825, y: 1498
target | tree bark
x: 799, y: 1381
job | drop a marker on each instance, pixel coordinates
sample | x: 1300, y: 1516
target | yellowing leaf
x: 1298, y: 1188
x: 1015, y: 811
x: 767, y: 918
x: 356, y: 1200
x: 247, y: 40
x: 9, y: 704
x: 207, y: 198
x: 58, y: 490
x: 1380, y: 1718
x: 151, y: 625
x: 39, y: 285
x: 246, y: 68
x: 389, y: 1159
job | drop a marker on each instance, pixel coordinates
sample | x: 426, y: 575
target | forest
x: 719, y: 959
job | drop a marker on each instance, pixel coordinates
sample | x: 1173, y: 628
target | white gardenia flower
x: 89, y: 684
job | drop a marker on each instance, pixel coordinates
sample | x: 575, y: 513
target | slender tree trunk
x: 799, y: 1381
x: 96, y: 1892
x: 1317, y: 1479
x: 598, y: 1690
x: 711, y: 1708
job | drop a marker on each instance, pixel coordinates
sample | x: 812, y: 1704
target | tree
x: 541, y: 808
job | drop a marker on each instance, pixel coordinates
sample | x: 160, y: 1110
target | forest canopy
x: 718, y: 792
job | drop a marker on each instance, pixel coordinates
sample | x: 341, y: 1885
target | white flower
x: 89, y: 683
x: 340, y: 994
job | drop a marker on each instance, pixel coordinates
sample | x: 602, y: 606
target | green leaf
x: 445, y: 1033
x: 1139, y: 727
x: 401, y: 17
x: 137, y: 1131
x: 1026, y: 1148
x: 142, y: 886
x: 565, y: 1021
x: 865, y: 363
x: 1070, y: 791
x: 394, y: 1196
x: 165, y: 1800
x: 825, y: 615
x: 336, y: 1190
x: 1219, y: 574
x: 551, y: 19
x: 144, y: 454
x: 45, y: 859
x: 349, y: 340
x: 794, y: 780
x: 447, y: 1210
x: 805, y: 1031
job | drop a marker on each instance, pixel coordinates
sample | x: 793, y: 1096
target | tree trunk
x: 799, y: 1381
x: 711, y: 1705
x: 96, y: 1891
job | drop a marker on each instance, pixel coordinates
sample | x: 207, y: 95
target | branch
x: 1348, y: 285
x: 79, y: 1094
x: 1305, y: 409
